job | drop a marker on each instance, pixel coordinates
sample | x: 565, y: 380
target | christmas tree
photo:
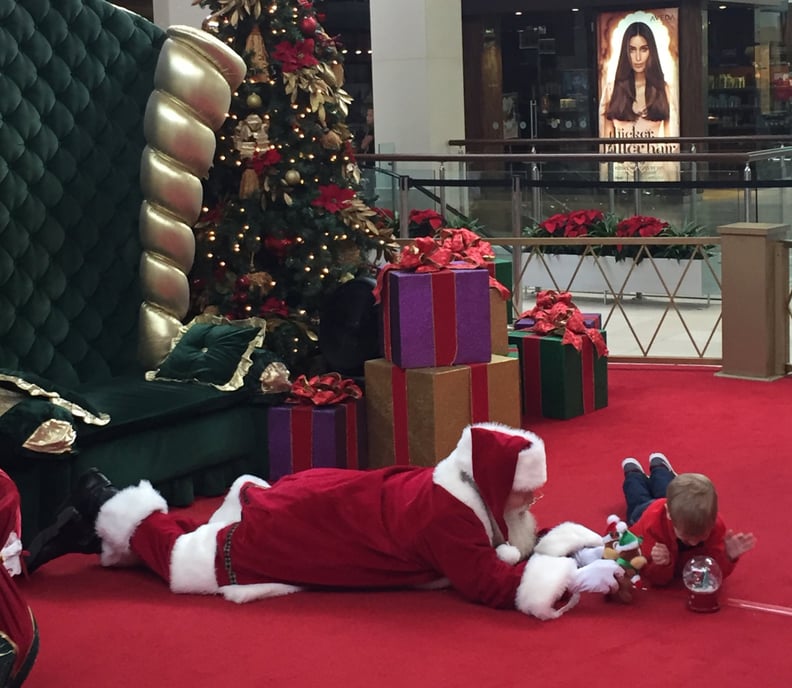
x: 283, y: 224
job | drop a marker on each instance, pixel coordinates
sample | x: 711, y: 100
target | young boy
x: 677, y: 517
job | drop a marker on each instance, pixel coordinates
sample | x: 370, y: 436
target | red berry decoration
x: 308, y: 25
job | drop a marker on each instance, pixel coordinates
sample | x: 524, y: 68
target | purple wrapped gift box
x: 435, y: 319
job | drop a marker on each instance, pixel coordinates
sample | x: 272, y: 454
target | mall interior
x: 529, y: 67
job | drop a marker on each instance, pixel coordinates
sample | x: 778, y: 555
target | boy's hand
x: 660, y: 554
x: 738, y: 544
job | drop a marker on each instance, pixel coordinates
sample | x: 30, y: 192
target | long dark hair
x: 621, y: 102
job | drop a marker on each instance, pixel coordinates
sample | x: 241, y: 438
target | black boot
x: 73, y: 530
x: 69, y: 534
x: 93, y: 489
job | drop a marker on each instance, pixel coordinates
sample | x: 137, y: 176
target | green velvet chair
x: 75, y: 80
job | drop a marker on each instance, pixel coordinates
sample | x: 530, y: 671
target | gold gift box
x: 436, y: 407
x: 499, y: 328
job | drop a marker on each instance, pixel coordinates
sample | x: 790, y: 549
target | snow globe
x: 702, y: 577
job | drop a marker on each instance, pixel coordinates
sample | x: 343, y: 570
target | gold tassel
x: 249, y: 186
x: 259, y: 60
x: 338, y: 71
x: 330, y: 140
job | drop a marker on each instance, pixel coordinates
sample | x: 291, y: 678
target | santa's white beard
x: 522, y: 530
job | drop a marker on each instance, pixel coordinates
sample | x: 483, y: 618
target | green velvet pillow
x: 35, y: 424
x: 35, y: 386
x: 211, y: 350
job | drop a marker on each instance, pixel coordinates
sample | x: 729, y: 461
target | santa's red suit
x: 393, y: 527
x: 18, y: 631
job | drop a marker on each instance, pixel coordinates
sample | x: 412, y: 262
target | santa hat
x: 504, y: 460
x: 627, y: 540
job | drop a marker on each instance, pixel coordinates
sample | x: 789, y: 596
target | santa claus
x: 465, y: 523
x: 19, y: 640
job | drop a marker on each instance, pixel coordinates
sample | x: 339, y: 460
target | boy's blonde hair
x: 692, y: 503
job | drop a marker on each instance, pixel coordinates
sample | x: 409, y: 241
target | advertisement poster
x: 638, y: 62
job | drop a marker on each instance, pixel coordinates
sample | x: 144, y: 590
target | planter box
x: 698, y: 281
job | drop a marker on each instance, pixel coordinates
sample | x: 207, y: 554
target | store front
x: 544, y: 69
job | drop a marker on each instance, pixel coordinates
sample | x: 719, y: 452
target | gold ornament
x: 249, y: 185
x: 253, y: 101
x: 292, y: 177
x: 330, y: 140
x: 250, y: 134
x: 259, y: 60
x: 348, y: 253
x: 262, y: 281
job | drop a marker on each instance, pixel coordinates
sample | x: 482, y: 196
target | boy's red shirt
x: 654, y: 526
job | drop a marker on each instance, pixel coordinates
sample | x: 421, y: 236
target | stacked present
x: 563, y: 359
x: 444, y: 362
x: 321, y: 425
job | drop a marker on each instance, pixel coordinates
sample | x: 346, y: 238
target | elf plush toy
x: 624, y: 547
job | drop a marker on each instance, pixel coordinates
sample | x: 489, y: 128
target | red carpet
x: 122, y: 628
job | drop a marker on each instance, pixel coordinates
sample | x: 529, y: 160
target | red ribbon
x: 587, y: 373
x: 322, y: 390
x: 479, y: 392
x: 352, y: 420
x: 448, y: 249
x: 301, y: 438
x: 555, y: 313
x: 401, y: 427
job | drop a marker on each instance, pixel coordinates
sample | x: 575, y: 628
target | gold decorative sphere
x: 253, y: 101
x: 292, y: 177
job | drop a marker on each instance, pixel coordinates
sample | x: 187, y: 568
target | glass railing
x: 675, y: 315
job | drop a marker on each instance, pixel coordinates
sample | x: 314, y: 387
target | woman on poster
x: 638, y: 104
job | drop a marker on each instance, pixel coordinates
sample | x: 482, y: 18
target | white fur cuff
x: 120, y: 516
x: 192, y: 566
x: 566, y: 539
x: 258, y: 591
x: 544, y: 581
x: 230, y: 510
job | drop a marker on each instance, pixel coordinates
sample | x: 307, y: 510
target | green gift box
x: 501, y: 270
x: 557, y: 380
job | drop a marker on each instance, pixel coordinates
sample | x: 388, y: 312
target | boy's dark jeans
x: 640, y: 490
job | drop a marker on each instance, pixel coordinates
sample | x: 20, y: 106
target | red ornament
x: 277, y: 246
x: 308, y: 25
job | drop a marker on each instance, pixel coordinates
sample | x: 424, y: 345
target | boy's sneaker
x: 631, y: 466
x: 658, y: 460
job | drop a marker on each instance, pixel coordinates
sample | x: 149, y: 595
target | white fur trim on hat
x: 120, y: 516
x: 508, y: 553
x: 566, y: 539
x: 531, y: 471
x: 192, y: 564
x: 230, y: 511
x: 256, y: 591
x: 544, y: 581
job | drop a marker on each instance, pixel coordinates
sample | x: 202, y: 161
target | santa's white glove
x: 599, y: 576
x: 588, y: 555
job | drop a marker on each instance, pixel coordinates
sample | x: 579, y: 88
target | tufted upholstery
x: 75, y: 81
x: 75, y: 76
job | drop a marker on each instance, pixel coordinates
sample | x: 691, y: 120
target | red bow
x: 322, y: 390
x: 448, y: 249
x: 555, y: 313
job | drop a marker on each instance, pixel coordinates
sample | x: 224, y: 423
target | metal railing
x: 667, y: 323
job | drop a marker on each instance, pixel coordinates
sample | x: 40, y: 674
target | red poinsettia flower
x: 640, y: 225
x: 554, y: 222
x: 572, y: 224
x: 261, y: 161
x: 294, y: 56
x: 211, y: 215
x: 333, y: 198
x: 434, y: 219
x: 274, y: 306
